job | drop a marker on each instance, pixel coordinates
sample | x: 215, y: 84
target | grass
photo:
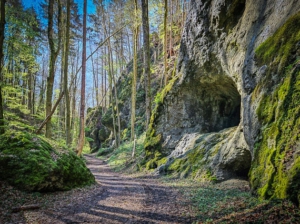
x: 121, y: 158
x: 232, y: 202
x: 86, y: 149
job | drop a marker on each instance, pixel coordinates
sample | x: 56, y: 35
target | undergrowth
x: 121, y: 158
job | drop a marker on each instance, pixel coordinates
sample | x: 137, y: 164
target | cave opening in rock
x: 212, y: 105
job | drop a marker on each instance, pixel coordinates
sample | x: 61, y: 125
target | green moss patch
x: 277, y: 49
x: 32, y: 164
x: 277, y: 154
x: 275, y: 169
x: 153, y: 140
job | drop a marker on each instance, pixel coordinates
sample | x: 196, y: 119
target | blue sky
x: 35, y: 4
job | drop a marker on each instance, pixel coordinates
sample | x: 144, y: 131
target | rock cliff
x: 233, y: 108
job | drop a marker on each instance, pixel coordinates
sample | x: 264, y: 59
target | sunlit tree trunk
x: 53, y: 56
x: 147, y: 74
x: 134, y: 76
x: 165, y: 42
x: 118, y: 140
x: 66, y: 65
x: 82, y: 101
x: 110, y: 83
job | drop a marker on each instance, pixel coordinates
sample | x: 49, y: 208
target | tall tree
x: 54, y: 51
x: 147, y: 72
x: 165, y: 42
x: 82, y: 95
x: 134, y: 75
x: 66, y: 65
x: 2, y: 27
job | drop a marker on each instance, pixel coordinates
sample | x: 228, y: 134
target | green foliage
x: 30, y: 163
x: 121, y: 157
x: 125, y: 136
x: 276, y: 165
x: 89, y: 139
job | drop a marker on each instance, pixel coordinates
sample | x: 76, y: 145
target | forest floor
x: 139, y: 198
x: 115, y: 198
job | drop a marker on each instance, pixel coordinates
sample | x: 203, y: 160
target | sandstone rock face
x: 221, y: 85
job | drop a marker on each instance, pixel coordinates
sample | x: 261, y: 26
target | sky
x: 35, y: 4
x: 91, y: 10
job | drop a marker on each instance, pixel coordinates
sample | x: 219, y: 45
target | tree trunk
x: 147, y: 72
x: 33, y: 94
x: 82, y: 101
x: 134, y: 76
x: 2, y: 27
x: 118, y: 140
x: 165, y: 42
x: 171, y: 53
x: 66, y: 65
x: 29, y: 93
x: 53, y: 56
x: 110, y: 78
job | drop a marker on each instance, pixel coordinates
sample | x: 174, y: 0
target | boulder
x: 30, y: 163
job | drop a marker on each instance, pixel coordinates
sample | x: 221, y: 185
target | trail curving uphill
x: 116, y: 198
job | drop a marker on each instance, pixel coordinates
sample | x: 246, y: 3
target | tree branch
x: 72, y: 81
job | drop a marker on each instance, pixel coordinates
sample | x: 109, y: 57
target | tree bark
x: 29, y: 93
x: 82, y: 101
x: 66, y: 65
x: 2, y: 27
x: 134, y: 76
x: 53, y: 56
x: 147, y: 72
x: 118, y: 140
x: 51, y: 113
x: 165, y: 42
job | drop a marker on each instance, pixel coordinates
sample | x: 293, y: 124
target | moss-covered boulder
x: 211, y: 156
x: 30, y: 163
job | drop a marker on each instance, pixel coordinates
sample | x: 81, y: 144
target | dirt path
x: 115, y: 199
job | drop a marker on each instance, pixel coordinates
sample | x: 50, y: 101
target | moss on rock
x: 153, y: 140
x: 277, y: 49
x: 275, y: 169
x: 32, y: 164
